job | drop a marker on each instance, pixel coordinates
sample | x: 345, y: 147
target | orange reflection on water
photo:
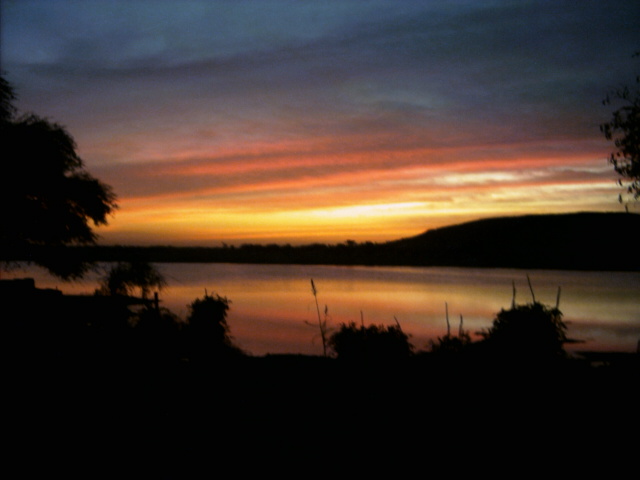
x: 273, y: 309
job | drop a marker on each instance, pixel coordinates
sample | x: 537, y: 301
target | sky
x: 231, y: 122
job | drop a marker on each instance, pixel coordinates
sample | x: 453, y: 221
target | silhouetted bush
x: 451, y: 345
x: 372, y: 344
x: 532, y: 332
x: 207, y: 333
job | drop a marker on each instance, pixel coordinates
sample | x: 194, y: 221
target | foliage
x: 450, y: 344
x: 125, y: 277
x: 156, y: 320
x: 207, y: 329
x: 7, y: 97
x: 532, y: 331
x: 374, y: 343
x: 46, y: 197
x: 624, y: 130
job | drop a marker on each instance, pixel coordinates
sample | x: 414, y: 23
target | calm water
x: 273, y: 309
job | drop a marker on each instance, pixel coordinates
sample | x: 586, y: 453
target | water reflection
x: 272, y: 305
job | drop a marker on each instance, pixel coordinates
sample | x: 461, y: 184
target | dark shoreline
x: 372, y: 255
x: 99, y: 394
x: 579, y: 241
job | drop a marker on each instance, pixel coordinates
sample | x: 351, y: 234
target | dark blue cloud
x: 490, y: 71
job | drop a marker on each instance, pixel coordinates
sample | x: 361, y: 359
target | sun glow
x: 359, y: 211
x: 194, y: 203
x: 355, y: 122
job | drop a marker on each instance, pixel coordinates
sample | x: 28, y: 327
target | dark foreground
x: 86, y: 399
x: 93, y: 419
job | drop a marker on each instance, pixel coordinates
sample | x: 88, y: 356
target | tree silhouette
x: 7, y: 97
x: 624, y: 130
x: 47, y: 199
x: 207, y: 331
x: 125, y: 277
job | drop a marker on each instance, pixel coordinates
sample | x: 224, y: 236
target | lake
x: 273, y: 309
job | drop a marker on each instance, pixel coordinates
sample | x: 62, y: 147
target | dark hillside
x: 580, y: 241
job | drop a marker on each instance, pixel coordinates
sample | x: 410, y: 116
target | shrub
x: 372, y: 344
x: 532, y: 331
x: 207, y: 331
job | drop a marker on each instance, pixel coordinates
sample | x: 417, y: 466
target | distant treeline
x: 581, y: 241
x: 343, y: 254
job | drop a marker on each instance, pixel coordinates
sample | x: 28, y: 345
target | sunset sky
x: 321, y: 121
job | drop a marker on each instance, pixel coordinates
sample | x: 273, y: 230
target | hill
x: 577, y: 241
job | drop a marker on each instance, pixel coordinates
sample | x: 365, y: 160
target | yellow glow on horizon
x: 182, y: 222
x: 367, y: 222
x: 290, y: 193
x: 359, y: 211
